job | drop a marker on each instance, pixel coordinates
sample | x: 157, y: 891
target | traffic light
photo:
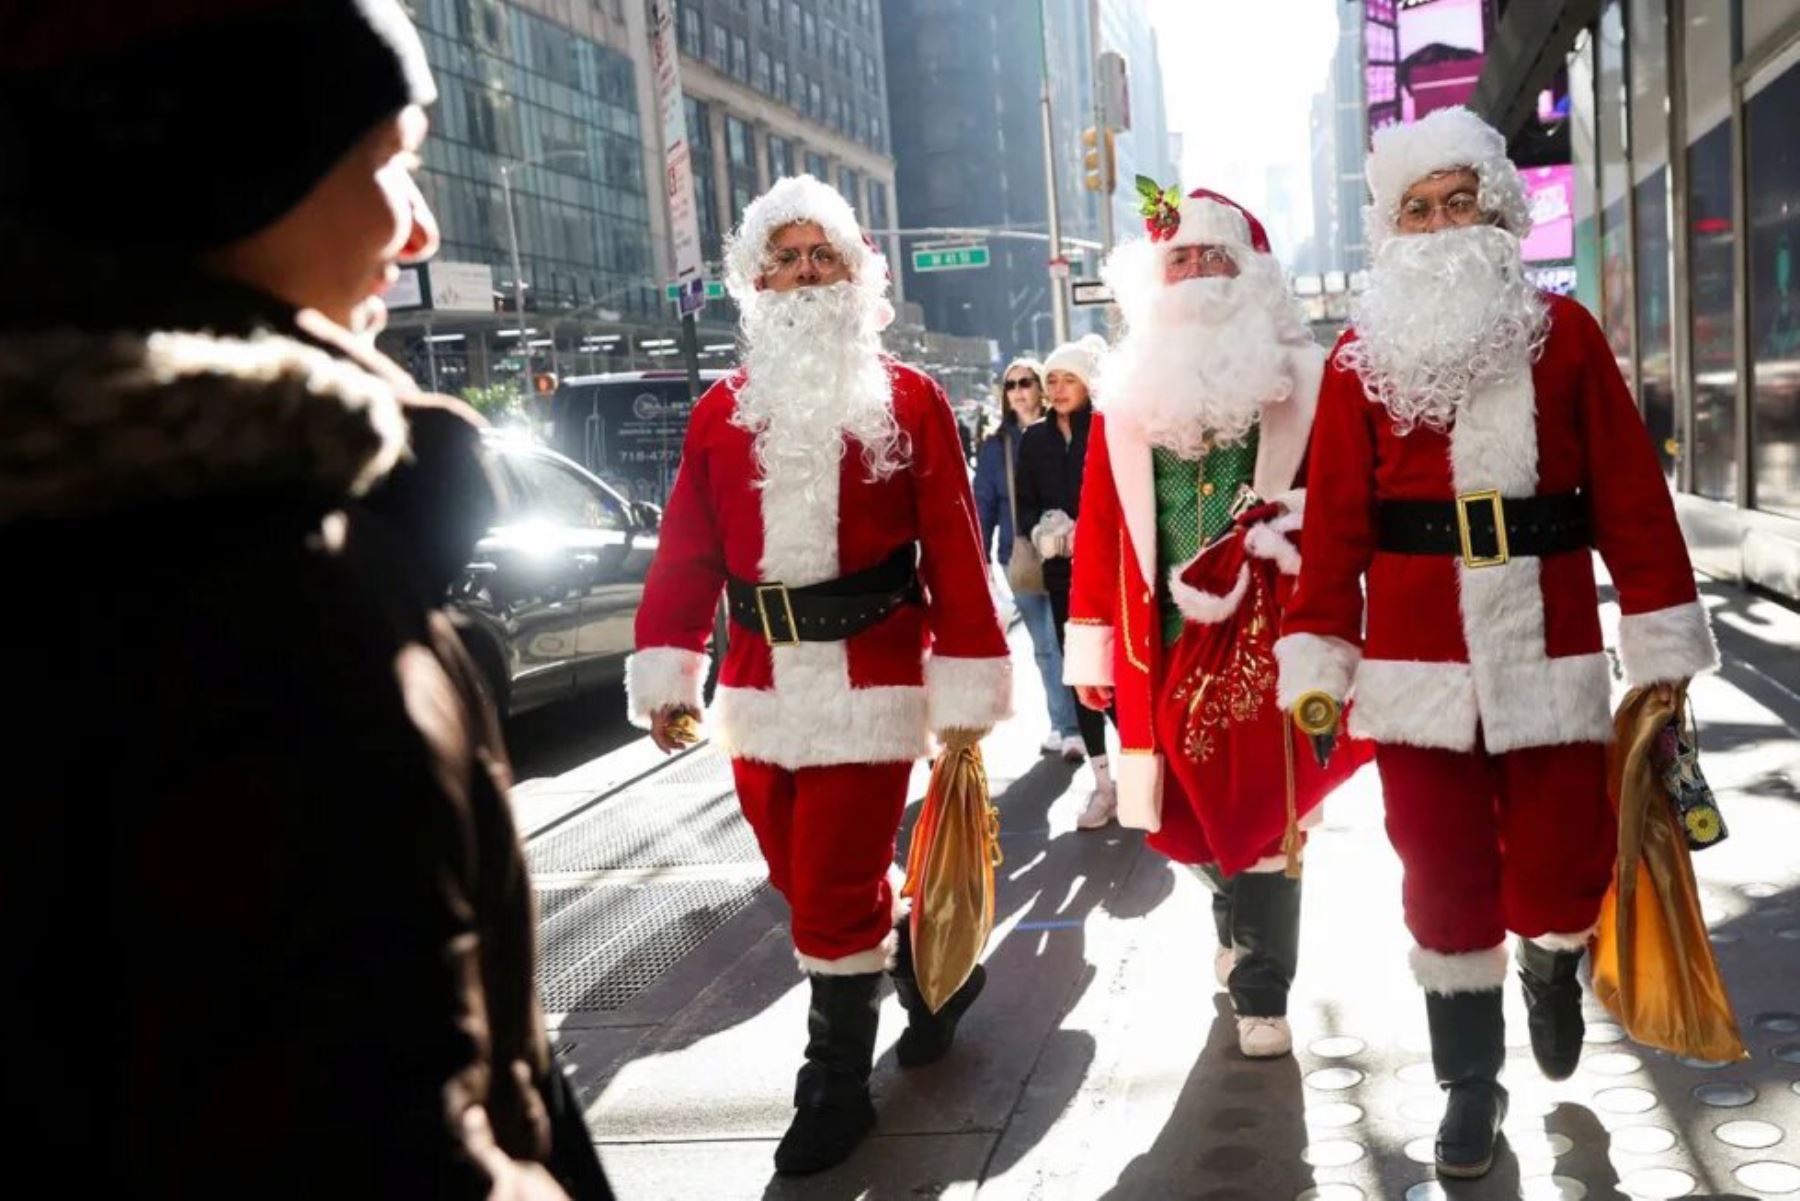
x: 1098, y: 160
x: 544, y: 383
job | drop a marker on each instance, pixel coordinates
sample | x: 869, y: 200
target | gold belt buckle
x: 787, y: 607
x: 1470, y: 559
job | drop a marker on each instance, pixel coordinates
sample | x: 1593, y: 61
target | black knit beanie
x: 195, y: 127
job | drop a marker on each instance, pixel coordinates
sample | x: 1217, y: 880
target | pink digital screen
x: 1551, y: 193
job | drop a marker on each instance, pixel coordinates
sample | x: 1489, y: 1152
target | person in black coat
x: 255, y: 751
x: 1052, y: 458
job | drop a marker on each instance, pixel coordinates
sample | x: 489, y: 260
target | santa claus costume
x: 822, y: 488
x: 1203, y: 409
x: 1474, y: 443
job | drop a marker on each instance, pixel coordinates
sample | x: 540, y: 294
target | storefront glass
x: 1586, y: 190
x: 1615, y: 225
x: 1772, y: 156
x: 1712, y: 279
x: 1650, y: 173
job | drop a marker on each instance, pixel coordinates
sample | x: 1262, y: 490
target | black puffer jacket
x: 1049, y: 477
x: 268, y: 925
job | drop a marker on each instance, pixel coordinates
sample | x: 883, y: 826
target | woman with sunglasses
x: 1022, y: 396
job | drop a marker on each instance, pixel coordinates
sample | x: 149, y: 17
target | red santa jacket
x: 870, y: 698
x: 1513, y: 650
x: 1114, y: 635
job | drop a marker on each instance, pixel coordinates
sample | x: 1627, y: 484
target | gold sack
x: 950, y: 874
x: 1653, y: 963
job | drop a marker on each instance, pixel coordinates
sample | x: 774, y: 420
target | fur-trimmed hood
x: 98, y: 422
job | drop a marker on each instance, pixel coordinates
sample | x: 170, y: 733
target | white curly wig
x: 1445, y: 140
x: 794, y: 199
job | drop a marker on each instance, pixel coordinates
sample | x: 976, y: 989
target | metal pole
x: 1059, y: 294
x: 1103, y: 135
x: 512, y: 236
x: 431, y: 356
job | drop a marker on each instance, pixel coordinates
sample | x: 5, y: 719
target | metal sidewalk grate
x: 652, y: 825
x: 600, y: 946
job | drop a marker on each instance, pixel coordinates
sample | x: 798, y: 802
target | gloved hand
x: 1054, y: 535
x: 1318, y: 715
x: 957, y: 737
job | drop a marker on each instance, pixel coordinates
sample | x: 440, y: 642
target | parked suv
x: 551, y: 595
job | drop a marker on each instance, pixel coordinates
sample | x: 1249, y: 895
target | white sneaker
x: 1102, y: 806
x: 1052, y: 745
x: 1073, y: 749
x: 1264, y: 1038
x: 1224, y: 960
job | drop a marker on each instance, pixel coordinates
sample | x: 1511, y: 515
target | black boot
x: 1553, y: 1007
x: 832, y: 1091
x: 928, y: 1035
x: 1468, y: 1045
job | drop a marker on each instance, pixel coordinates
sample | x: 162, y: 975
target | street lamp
x: 512, y: 236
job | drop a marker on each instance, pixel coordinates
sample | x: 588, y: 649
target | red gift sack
x: 1245, y: 775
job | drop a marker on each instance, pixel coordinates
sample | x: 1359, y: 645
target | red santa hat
x: 1448, y: 139
x: 794, y: 199
x: 1207, y: 218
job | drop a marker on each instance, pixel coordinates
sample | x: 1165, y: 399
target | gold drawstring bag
x: 950, y: 872
x: 1653, y: 963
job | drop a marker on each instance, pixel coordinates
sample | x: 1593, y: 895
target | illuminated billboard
x: 1420, y: 56
x: 1551, y: 191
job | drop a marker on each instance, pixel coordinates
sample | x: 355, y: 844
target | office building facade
x: 1687, y: 218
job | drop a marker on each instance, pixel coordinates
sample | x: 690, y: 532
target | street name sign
x: 1089, y: 291
x: 950, y: 258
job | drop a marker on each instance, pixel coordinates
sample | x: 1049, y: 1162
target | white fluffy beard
x: 814, y: 378
x: 1200, y: 369
x: 1445, y: 316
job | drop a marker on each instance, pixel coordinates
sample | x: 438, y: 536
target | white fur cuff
x: 1314, y: 663
x: 1206, y: 608
x: 1088, y: 655
x: 967, y: 694
x: 1577, y: 941
x: 1467, y: 971
x: 1667, y: 646
x: 878, y: 958
x: 662, y: 675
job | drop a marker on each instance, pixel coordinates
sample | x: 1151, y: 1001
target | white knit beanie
x: 1080, y: 358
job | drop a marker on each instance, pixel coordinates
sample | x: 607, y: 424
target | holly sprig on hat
x: 1160, y: 207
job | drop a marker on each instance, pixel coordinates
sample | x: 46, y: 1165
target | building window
x: 847, y: 185
x: 1772, y: 231
x: 878, y: 207
x: 740, y: 161
x: 759, y: 78
x: 794, y: 25
x: 815, y: 166
x: 691, y: 39
x: 1648, y: 56
x: 781, y: 158
x: 875, y: 141
x: 815, y: 99
x: 706, y: 204
x: 718, y: 51
x: 740, y: 56
x: 809, y: 36
x: 781, y: 81
x: 771, y: 15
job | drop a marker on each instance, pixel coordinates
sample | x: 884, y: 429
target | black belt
x: 829, y: 610
x: 1482, y: 528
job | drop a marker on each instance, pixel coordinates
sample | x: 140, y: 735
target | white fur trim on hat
x: 1080, y: 358
x: 1204, y: 221
x: 794, y: 199
x: 1444, y: 140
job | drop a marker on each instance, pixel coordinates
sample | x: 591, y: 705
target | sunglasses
x: 1024, y: 381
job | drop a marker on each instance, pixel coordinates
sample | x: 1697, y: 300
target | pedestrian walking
x: 256, y: 750
x: 1022, y: 406
x: 1052, y: 460
x: 1204, y: 411
x: 1474, y: 443
x: 822, y: 489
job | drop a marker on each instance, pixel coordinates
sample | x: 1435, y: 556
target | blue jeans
x: 1040, y: 623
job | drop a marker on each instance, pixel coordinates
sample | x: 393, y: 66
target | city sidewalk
x: 1101, y: 1061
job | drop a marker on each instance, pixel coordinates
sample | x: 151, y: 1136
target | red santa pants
x: 827, y: 834
x: 1521, y: 841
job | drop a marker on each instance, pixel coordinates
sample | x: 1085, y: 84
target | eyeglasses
x: 1022, y: 382
x: 1462, y: 208
x: 823, y: 258
x: 1211, y: 257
